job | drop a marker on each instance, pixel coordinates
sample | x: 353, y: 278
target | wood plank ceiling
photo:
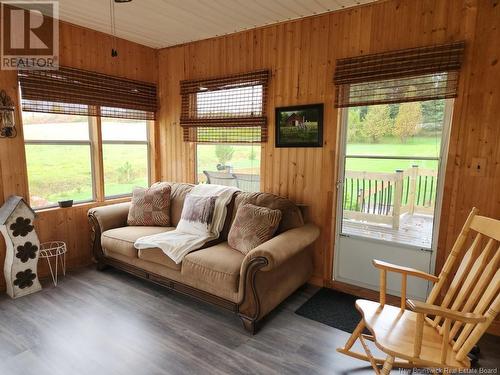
x: 164, y: 23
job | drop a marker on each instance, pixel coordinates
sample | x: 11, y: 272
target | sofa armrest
x: 111, y: 216
x: 284, y: 246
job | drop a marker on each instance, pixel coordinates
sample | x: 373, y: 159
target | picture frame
x: 299, y: 126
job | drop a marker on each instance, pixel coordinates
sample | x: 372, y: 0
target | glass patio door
x: 389, y: 190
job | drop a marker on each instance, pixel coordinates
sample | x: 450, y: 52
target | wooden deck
x: 413, y: 230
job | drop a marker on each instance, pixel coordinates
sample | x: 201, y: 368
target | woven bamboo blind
x: 80, y: 92
x: 230, y: 109
x: 416, y: 74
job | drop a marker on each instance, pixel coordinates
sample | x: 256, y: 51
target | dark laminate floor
x: 112, y: 323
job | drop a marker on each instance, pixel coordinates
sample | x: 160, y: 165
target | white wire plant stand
x: 57, y: 250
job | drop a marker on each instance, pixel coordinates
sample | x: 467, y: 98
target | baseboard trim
x: 361, y: 292
x: 316, y: 281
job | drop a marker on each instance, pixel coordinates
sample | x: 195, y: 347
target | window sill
x: 84, y: 205
x: 119, y: 196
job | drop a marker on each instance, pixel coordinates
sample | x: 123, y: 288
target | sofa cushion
x: 291, y: 215
x: 158, y: 256
x: 121, y: 240
x: 150, y: 206
x: 177, y: 196
x: 215, y: 269
x: 252, y: 226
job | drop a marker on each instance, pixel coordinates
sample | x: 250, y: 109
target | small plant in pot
x: 224, y: 154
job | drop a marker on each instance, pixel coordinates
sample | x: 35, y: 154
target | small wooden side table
x: 57, y: 250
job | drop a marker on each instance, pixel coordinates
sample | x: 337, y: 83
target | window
x: 125, y: 155
x: 229, y: 164
x: 59, y: 161
x: 227, y: 118
x: 392, y: 159
x: 86, y: 134
x: 58, y: 157
x: 397, y: 108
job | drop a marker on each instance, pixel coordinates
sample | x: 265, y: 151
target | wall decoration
x: 23, y: 247
x: 299, y: 126
x: 7, y: 118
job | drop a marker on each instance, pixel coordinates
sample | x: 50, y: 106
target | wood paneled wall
x: 475, y: 129
x: 301, y: 55
x: 85, y: 49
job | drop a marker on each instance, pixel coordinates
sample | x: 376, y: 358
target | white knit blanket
x: 177, y: 244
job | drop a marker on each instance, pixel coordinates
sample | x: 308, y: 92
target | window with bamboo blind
x: 417, y: 74
x: 89, y: 130
x: 396, y: 117
x: 227, y: 118
x: 229, y: 109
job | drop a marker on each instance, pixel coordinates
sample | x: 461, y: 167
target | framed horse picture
x: 299, y: 126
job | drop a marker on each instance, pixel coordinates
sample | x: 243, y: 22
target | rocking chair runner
x: 424, y: 334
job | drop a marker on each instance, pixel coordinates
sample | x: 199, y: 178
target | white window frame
x: 69, y: 143
x: 147, y: 142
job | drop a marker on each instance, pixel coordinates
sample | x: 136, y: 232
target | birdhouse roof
x: 10, y: 206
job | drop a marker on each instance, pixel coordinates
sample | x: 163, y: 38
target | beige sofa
x: 251, y: 285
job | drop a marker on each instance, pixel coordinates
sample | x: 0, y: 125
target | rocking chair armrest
x: 404, y: 270
x: 426, y: 308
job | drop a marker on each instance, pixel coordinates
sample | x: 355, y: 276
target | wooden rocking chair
x: 428, y: 334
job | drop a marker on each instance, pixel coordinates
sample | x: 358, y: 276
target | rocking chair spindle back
x: 440, y: 332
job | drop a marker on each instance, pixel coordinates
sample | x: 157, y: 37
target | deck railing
x: 384, y: 197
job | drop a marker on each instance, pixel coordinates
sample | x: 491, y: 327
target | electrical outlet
x: 478, y: 167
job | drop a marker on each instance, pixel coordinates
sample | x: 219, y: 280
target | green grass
x: 118, y: 179
x: 58, y: 172
x: 417, y: 146
x: 64, y: 171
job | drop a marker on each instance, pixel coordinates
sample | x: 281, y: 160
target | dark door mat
x: 333, y: 308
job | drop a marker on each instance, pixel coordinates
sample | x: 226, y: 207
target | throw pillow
x: 197, y: 214
x: 150, y: 206
x: 252, y: 226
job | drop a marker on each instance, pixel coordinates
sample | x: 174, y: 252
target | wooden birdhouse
x: 21, y: 259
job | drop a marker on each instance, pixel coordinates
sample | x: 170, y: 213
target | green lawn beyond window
x: 59, y: 172
x: 389, y: 146
x: 125, y: 167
